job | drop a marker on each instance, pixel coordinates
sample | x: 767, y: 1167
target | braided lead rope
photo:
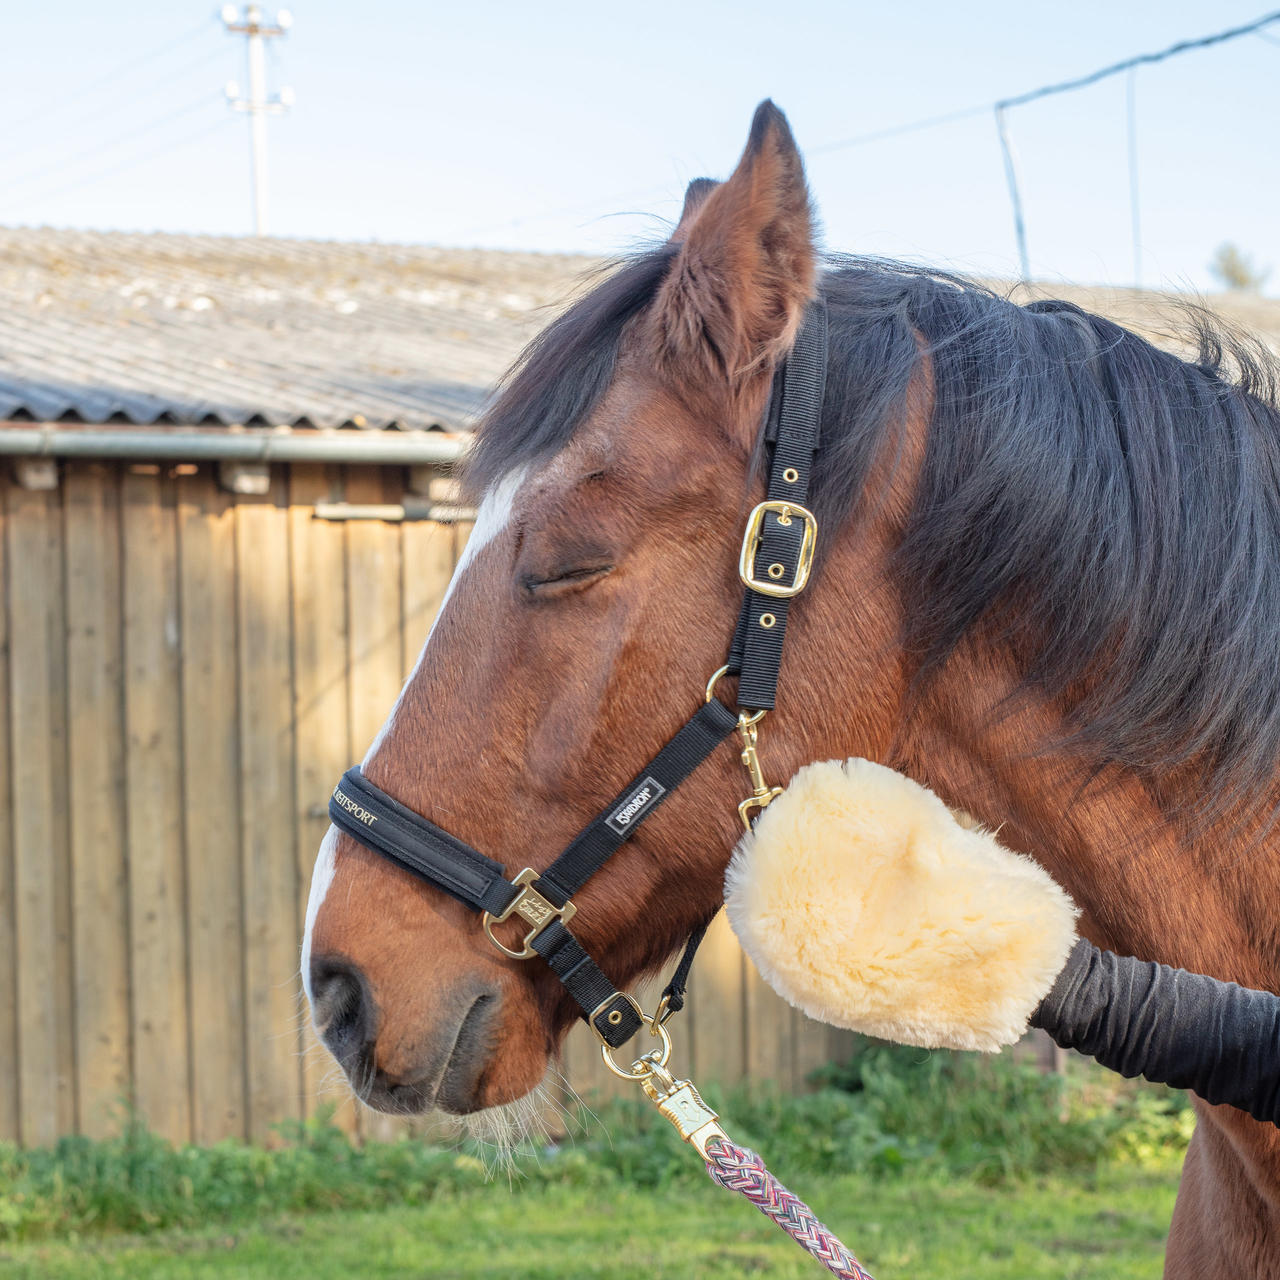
x: 740, y: 1169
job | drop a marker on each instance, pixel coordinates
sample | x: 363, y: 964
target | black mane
x: 1116, y: 510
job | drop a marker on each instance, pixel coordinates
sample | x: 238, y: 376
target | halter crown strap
x: 778, y: 549
x: 777, y: 554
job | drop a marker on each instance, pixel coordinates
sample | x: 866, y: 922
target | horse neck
x: 1146, y: 884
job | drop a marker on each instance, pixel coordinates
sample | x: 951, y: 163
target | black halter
x: 777, y: 555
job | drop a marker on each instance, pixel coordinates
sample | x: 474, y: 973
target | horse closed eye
x: 564, y: 581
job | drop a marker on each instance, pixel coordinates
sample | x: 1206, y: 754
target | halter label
x: 357, y: 811
x: 636, y: 805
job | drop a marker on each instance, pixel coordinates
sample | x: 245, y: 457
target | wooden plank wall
x: 183, y: 676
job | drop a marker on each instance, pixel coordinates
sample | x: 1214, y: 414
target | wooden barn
x: 226, y: 526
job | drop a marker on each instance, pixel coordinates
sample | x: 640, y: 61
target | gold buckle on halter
x: 786, y: 512
x: 615, y: 1018
x: 533, y: 909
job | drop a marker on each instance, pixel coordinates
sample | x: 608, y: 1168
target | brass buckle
x: 785, y: 511
x: 531, y: 907
x: 643, y: 1067
x: 604, y: 1004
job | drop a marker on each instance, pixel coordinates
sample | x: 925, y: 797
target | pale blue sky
x: 575, y: 126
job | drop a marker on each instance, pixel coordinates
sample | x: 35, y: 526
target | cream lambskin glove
x: 863, y: 901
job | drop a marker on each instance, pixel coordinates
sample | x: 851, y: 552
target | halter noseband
x: 777, y: 555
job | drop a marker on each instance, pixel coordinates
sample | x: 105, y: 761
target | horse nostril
x: 340, y: 1005
x: 459, y: 1087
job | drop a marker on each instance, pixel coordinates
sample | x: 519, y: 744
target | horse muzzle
x: 441, y: 1068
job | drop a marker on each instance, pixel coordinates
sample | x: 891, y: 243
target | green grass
x: 1110, y: 1226
x: 927, y: 1164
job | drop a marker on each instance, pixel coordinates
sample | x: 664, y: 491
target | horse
x: 1047, y: 587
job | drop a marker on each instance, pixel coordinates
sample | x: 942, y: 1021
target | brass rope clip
x: 677, y: 1100
x: 762, y: 794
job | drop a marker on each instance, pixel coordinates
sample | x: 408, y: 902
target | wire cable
x: 926, y: 123
x: 1066, y: 86
x: 898, y: 130
x: 1131, y: 138
x: 1141, y: 60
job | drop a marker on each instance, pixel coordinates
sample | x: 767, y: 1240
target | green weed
x: 886, y: 1113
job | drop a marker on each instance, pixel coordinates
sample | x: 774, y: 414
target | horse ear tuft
x: 695, y: 196
x: 767, y: 119
x: 736, y: 291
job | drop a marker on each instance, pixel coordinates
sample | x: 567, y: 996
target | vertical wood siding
x: 183, y: 676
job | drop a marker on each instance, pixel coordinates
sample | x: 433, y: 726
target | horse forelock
x: 551, y: 390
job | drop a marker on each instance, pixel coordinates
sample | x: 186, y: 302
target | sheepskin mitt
x: 864, y: 902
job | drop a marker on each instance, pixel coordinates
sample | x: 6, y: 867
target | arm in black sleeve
x: 1215, y: 1038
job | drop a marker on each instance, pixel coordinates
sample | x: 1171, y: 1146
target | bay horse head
x: 595, y: 597
x: 1047, y: 588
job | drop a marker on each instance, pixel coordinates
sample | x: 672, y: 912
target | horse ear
x: 736, y: 291
x: 695, y: 196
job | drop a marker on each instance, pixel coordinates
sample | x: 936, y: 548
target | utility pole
x: 257, y: 105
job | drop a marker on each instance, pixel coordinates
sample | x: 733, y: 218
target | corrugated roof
x: 114, y: 326
x: 111, y: 326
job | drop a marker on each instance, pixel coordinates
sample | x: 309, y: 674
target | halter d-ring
x: 745, y: 721
x: 643, y: 1067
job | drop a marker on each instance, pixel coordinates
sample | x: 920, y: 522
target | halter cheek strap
x: 774, y: 566
x: 541, y: 900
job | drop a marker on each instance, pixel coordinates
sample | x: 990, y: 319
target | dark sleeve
x: 1215, y: 1038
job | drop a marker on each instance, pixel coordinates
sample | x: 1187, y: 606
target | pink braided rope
x: 742, y: 1170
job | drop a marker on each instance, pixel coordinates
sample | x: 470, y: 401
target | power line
x: 1131, y: 137
x: 1140, y: 60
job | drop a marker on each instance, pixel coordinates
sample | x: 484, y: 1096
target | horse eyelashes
x: 562, y: 582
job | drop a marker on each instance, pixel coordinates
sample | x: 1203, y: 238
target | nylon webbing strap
x: 378, y: 821
x: 612, y: 1015
x: 675, y: 990
x: 383, y: 824
x: 590, y: 849
x: 367, y: 814
x: 795, y: 416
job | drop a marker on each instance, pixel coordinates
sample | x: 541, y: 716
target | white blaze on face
x: 492, y: 517
x: 321, y: 878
